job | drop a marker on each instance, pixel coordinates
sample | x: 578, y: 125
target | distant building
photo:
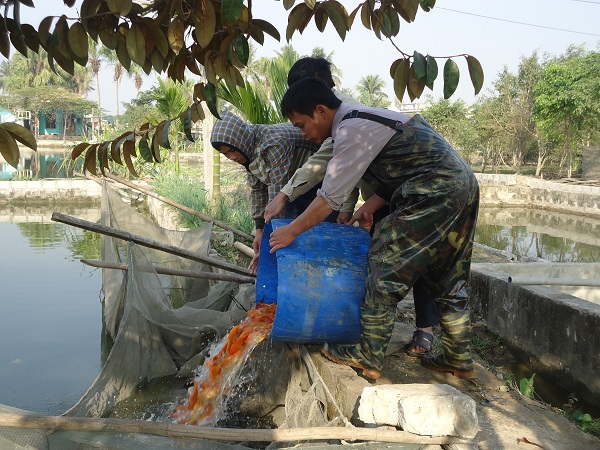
x: 408, y: 108
x: 53, y: 124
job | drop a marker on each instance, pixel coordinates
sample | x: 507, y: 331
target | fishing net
x: 158, y: 322
x: 163, y: 326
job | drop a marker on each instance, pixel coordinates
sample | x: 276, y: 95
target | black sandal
x: 420, y: 339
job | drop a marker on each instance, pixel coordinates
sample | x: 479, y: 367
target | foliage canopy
x: 211, y: 38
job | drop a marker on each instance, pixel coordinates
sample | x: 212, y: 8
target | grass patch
x: 188, y: 189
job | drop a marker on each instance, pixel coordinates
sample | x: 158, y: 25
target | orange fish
x: 210, y: 389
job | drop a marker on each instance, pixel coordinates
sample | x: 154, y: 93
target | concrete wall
x: 72, y: 190
x: 515, y: 190
x: 556, y: 332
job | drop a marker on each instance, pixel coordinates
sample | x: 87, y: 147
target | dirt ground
x: 508, y: 420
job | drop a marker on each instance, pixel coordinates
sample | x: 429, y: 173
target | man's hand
x: 363, y: 217
x: 275, y: 207
x: 344, y: 217
x: 281, y: 237
x: 364, y: 214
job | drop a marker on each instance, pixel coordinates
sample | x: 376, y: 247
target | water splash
x: 216, y: 378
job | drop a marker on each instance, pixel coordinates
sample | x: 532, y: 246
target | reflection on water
x: 532, y: 233
x: 50, y: 320
x: 44, y: 163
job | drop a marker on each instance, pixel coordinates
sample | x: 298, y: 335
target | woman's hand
x: 275, y: 207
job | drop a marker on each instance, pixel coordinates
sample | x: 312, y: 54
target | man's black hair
x: 304, y: 96
x: 308, y: 67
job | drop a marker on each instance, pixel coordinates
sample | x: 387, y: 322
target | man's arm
x: 311, y: 173
x: 316, y: 212
x: 304, y: 179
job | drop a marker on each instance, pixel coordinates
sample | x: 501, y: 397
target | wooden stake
x: 180, y: 206
x: 224, y: 434
x: 176, y: 272
x: 242, y: 248
x: 150, y: 243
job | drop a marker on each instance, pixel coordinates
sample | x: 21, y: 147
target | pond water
x: 50, y: 319
x: 50, y: 310
x: 535, y: 233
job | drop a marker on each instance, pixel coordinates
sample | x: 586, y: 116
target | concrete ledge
x: 516, y: 190
x: 48, y: 190
x: 555, y: 330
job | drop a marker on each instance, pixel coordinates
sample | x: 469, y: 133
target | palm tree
x: 135, y: 73
x: 370, y: 92
x: 34, y: 71
x: 95, y: 59
x: 172, y: 98
x: 111, y: 57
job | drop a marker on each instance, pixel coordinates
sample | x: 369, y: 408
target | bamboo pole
x: 244, y: 249
x: 180, y: 206
x: 150, y: 243
x: 554, y: 281
x: 176, y: 272
x: 226, y: 434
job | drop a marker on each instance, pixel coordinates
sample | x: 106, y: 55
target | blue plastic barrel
x: 318, y: 283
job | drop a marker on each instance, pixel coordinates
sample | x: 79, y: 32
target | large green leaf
x: 145, y: 151
x: 206, y: 21
x: 451, y: 76
x: 420, y: 65
x: 163, y: 132
x: 103, y: 151
x: 231, y: 10
x: 338, y: 16
x: 296, y: 18
x: 211, y: 99
x: 242, y: 49
x: 526, y: 386
x: 136, y: 44
x: 415, y: 84
x: 267, y: 28
x: 9, y: 148
x: 127, y: 154
x: 475, y: 72
x: 186, y: 123
x: 89, y: 163
x: 79, y: 149
x: 123, y: 7
x: 78, y: 41
x: 432, y: 71
x: 427, y: 5
x: 175, y: 35
x: 401, y: 74
x: 158, y: 37
x: 21, y: 134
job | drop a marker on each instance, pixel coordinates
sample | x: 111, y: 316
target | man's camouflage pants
x: 425, y: 242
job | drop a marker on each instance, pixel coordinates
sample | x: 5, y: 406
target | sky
x: 497, y: 33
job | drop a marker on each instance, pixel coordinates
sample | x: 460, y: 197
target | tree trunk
x: 117, y: 90
x: 208, y: 151
x: 99, y: 106
x: 216, y: 184
x: 64, y: 131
